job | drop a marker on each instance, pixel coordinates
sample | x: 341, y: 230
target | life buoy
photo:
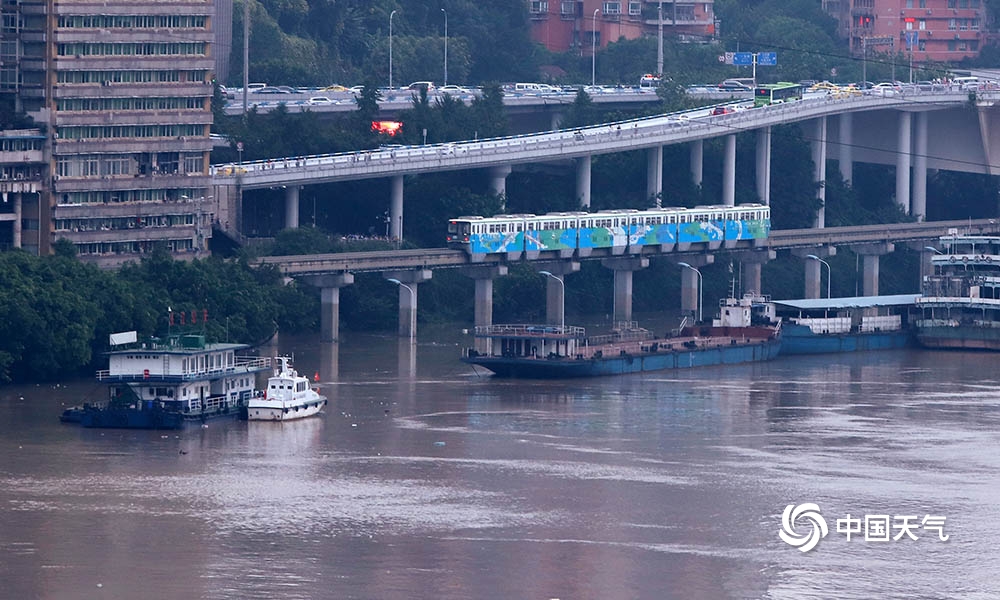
x: 989, y: 259
x: 953, y: 259
x: 965, y: 260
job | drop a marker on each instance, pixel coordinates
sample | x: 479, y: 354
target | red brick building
x: 563, y: 25
x: 945, y: 30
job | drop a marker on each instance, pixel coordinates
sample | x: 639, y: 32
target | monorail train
x: 616, y: 229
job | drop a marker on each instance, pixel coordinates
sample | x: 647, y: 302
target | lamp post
x: 701, y: 288
x: 659, y: 41
x: 413, y: 314
x: 933, y: 249
x: 593, y: 51
x: 391, y: 15
x: 562, y: 313
x: 446, y: 45
x: 829, y: 273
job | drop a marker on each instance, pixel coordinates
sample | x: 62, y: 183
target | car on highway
x: 824, y: 86
x: 269, y: 90
x: 885, y: 89
x: 453, y: 90
x: 320, y: 100
x: 723, y: 110
x: 335, y: 88
x: 232, y: 170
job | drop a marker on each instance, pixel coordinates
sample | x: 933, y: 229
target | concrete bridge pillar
x: 555, y: 291
x: 870, y: 258
x: 396, y: 207
x: 819, y: 169
x: 16, y: 224
x: 291, y: 207
x: 654, y: 175
x: 903, y: 163
x: 764, y: 165
x: 697, y: 161
x: 846, y: 136
x: 498, y: 182
x: 409, y: 281
x: 583, y: 181
x: 729, y: 171
x: 329, y: 285
x: 814, y: 275
x: 689, y: 282
x: 926, y: 252
x: 623, y: 268
x: 919, y: 202
x: 751, y: 263
x: 484, y: 276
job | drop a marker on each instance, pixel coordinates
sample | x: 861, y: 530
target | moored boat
x: 547, y: 351
x: 854, y: 324
x: 287, y: 396
x: 960, y: 307
x: 167, y: 383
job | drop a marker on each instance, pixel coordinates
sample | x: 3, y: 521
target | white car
x: 884, y: 89
x: 320, y: 100
x: 452, y: 90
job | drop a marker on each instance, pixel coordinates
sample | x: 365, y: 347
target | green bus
x: 775, y: 93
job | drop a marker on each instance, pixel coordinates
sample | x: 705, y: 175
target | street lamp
x: 593, y: 51
x: 701, y: 287
x: 445, y: 46
x: 659, y: 41
x: 413, y: 314
x: 933, y: 249
x: 391, y: 15
x: 562, y: 313
x: 829, y: 273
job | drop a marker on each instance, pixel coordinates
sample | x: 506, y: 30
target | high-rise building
x: 937, y: 30
x: 563, y: 25
x: 120, y: 91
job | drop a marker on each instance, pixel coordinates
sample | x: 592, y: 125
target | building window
x: 909, y: 25
x: 923, y: 3
x: 539, y: 6
x: 963, y: 3
x: 921, y: 46
x: 951, y: 45
x: 567, y: 7
x: 951, y: 3
x: 909, y: 3
x: 974, y: 24
x: 634, y: 8
x: 952, y: 24
x: 612, y: 8
x: 974, y: 45
x: 922, y: 25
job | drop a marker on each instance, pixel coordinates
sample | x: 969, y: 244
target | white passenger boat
x: 287, y: 396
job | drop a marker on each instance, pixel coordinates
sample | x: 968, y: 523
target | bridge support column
x: 498, y: 182
x: 555, y: 120
x: 870, y: 258
x: 764, y: 165
x: 919, y: 203
x: 583, y: 181
x: 396, y: 207
x: 903, y: 163
x: 729, y: 171
x: 408, y: 298
x: 15, y: 239
x: 689, y: 282
x: 819, y: 169
x: 926, y: 266
x: 751, y: 263
x: 484, y: 276
x: 654, y: 175
x: 291, y: 207
x: 329, y: 285
x: 697, y: 161
x: 814, y: 275
x: 623, y: 269
x: 555, y: 291
x: 846, y: 139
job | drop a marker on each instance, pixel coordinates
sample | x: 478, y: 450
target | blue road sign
x: 743, y: 58
x: 912, y: 37
x: 767, y: 59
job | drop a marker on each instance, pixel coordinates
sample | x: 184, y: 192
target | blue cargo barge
x: 555, y: 351
x: 852, y: 324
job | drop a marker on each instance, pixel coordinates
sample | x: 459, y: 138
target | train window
x: 530, y: 227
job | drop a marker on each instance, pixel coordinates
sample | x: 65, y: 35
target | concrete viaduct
x: 330, y: 272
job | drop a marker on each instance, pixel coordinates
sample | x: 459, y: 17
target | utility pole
x: 246, y: 53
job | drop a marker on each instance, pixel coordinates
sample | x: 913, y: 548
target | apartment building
x: 562, y: 25
x: 943, y: 30
x: 120, y: 91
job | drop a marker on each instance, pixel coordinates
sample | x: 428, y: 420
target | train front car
x: 748, y: 222
x: 481, y: 236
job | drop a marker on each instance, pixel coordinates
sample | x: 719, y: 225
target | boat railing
x: 629, y: 335
x: 242, y: 365
x: 530, y: 330
x: 958, y: 300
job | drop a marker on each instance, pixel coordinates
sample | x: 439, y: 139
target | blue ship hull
x: 564, y: 367
x: 146, y: 418
x: 799, y: 339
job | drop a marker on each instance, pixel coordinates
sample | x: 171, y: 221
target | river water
x: 428, y: 479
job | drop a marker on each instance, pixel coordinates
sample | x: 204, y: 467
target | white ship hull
x: 284, y: 411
